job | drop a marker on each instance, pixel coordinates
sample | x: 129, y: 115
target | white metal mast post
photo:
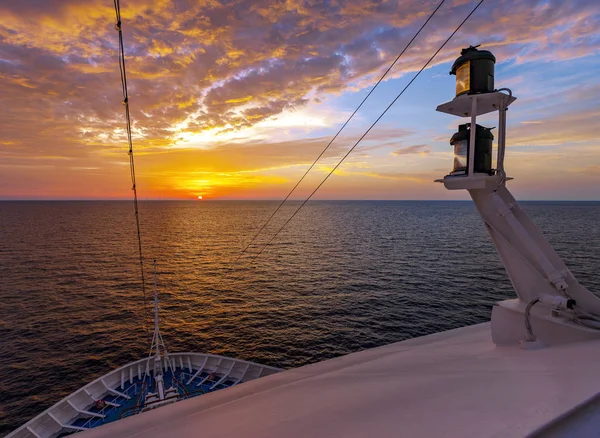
x: 161, y: 393
x: 156, y: 337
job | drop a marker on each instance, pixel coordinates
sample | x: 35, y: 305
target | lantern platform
x: 475, y: 181
x: 486, y: 103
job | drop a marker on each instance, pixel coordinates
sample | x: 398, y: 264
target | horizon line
x: 199, y: 201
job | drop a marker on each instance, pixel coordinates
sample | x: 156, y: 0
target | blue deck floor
x: 137, y: 391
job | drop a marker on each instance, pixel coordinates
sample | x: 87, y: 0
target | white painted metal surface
x: 475, y: 181
x: 462, y: 106
x: 536, y: 272
x: 450, y: 384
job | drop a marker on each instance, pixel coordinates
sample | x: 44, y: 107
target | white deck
x: 455, y: 383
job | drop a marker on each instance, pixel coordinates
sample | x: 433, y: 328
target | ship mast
x: 157, y: 338
x: 565, y: 311
x: 160, y: 392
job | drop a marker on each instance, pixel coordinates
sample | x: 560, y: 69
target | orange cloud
x: 416, y: 149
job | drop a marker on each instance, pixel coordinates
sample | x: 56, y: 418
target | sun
x: 200, y: 197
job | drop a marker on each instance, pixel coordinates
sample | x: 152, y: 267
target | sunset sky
x: 234, y: 99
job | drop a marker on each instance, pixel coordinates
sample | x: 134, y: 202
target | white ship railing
x: 58, y: 417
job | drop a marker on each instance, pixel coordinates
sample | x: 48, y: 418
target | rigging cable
x: 336, y: 135
x: 368, y: 130
x: 130, y: 152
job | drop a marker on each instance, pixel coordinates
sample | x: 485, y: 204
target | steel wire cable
x: 365, y: 134
x: 335, y: 136
x: 130, y: 153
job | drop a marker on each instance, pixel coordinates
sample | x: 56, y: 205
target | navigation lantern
x: 472, y: 143
x: 483, y: 150
x: 474, y: 71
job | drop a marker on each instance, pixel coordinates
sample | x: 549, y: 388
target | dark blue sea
x: 342, y: 277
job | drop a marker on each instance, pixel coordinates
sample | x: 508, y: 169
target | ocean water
x: 344, y: 276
